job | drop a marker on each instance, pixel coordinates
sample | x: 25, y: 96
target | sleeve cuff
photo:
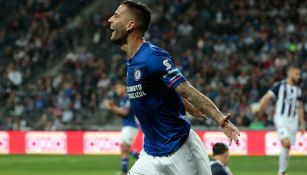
x: 178, y: 80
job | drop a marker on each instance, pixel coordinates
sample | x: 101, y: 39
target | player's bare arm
x: 264, y: 103
x: 109, y: 104
x: 300, y: 113
x: 192, y: 110
x: 203, y: 104
x: 199, y: 101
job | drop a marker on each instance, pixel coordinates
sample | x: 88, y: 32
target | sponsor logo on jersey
x: 135, y: 91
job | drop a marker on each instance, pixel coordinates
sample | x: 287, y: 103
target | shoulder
x: 279, y: 83
x: 157, y: 59
x: 214, y: 163
x: 217, y: 168
x: 276, y: 86
x: 156, y: 53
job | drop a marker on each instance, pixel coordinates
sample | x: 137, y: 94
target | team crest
x: 137, y: 74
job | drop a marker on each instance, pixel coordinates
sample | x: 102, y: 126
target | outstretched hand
x: 230, y: 130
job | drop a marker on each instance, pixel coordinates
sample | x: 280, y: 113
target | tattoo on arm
x: 192, y: 110
x: 201, y: 102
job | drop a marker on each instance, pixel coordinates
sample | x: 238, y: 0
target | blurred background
x: 58, y: 65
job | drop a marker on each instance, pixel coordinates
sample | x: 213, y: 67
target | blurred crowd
x: 32, y: 33
x: 232, y: 51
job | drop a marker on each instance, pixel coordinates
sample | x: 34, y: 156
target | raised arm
x: 204, y: 105
x: 192, y: 110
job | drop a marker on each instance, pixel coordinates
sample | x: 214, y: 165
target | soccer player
x: 130, y: 129
x: 220, y: 160
x: 288, y: 114
x: 157, y: 92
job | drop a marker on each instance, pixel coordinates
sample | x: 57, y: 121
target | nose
x: 110, y: 19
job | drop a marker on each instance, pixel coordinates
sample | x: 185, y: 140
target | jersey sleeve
x: 126, y: 103
x: 274, y: 89
x: 299, y: 95
x: 162, y: 65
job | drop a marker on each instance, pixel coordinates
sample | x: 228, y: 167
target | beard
x: 119, y: 38
x: 296, y: 80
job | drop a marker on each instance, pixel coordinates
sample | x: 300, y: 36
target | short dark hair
x: 293, y: 66
x: 141, y: 12
x: 119, y: 82
x: 219, y: 148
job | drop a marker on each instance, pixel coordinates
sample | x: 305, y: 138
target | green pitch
x: 108, y: 165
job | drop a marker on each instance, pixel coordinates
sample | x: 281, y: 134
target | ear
x: 130, y: 26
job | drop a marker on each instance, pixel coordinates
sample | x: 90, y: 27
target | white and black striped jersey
x: 286, y: 97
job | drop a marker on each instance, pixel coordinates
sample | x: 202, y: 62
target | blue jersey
x: 128, y: 120
x: 151, y: 80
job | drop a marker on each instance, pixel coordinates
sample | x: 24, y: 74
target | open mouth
x: 112, y: 29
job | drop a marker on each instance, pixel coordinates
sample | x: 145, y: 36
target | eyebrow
x: 116, y: 14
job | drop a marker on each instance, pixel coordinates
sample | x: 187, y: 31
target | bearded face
x: 118, y: 25
x: 119, y: 35
x: 295, y: 76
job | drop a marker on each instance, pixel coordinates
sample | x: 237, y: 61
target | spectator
x: 14, y: 75
x: 256, y: 124
x: 247, y: 44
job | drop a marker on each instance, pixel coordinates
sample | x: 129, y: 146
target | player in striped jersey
x: 289, y: 112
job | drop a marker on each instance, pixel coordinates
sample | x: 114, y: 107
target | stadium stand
x: 232, y: 52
